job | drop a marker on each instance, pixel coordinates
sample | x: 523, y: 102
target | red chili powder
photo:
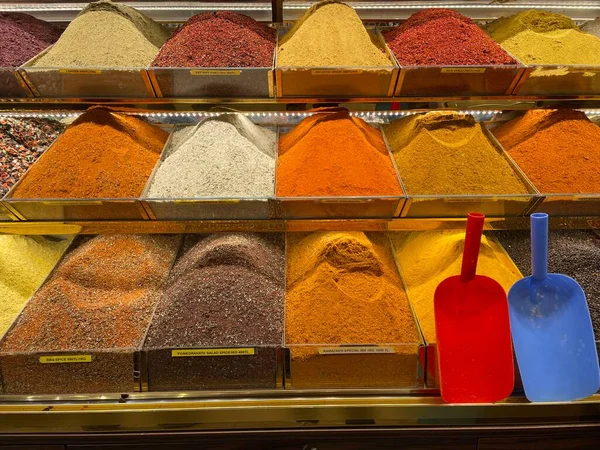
x: 103, y: 154
x: 335, y: 155
x: 219, y: 39
x: 438, y: 37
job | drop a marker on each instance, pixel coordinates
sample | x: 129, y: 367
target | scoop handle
x: 539, y: 245
x: 472, y: 243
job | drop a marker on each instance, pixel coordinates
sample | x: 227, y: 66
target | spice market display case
x: 92, y: 82
x: 385, y: 206
x: 570, y: 204
x: 500, y: 205
x: 12, y: 84
x: 205, y: 208
x: 559, y: 80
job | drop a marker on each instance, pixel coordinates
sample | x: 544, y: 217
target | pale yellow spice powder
x: 25, y: 262
x: 427, y: 258
x: 330, y: 34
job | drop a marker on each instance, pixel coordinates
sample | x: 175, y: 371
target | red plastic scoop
x: 473, y: 331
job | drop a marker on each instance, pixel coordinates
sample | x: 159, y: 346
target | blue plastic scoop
x: 551, y: 329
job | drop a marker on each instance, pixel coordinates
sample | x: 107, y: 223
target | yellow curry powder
x: 427, y: 258
x: 344, y: 288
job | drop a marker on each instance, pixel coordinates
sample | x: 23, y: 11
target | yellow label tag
x: 337, y: 71
x: 212, y: 352
x: 81, y: 71
x: 220, y: 200
x: 72, y: 203
x: 463, y: 70
x: 353, y: 350
x: 217, y: 73
x: 68, y: 359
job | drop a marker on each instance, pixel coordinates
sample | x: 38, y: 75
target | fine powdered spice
x: 344, y: 288
x: 98, y: 302
x: 227, y: 156
x: 559, y: 150
x: 103, y: 154
x: 575, y: 253
x: 335, y: 155
x: 443, y: 37
x: 428, y: 258
x: 592, y: 27
x: 330, y: 34
x: 106, y: 34
x: 539, y: 37
x: 225, y: 291
x: 25, y: 262
x: 219, y: 39
x: 22, y: 37
x: 449, y: 153
x: 22, y: 141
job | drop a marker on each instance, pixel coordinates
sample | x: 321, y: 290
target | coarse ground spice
x: 559, y: 150
x: 103, y: 154
x: 22, y: 141
x: 330, y: 34
x: 428, y: 258
x: 334, y: 155
x: 99, y: 302
x: 449, y: 153
x: 225, y: 291
x: 443, y: 37
x: 106, y: 34
x: 22, y: 37
x: 227, y: 156
x: 25, y: 262
x: 592, y: 27
x: 575, y: 253
x: 538, y: 37
x: 219, y: 39
x: 344, y: 288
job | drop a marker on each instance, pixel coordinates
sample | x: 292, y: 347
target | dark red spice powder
x: 22, y: 37
x: 437, y: 37
x: 219, y: 39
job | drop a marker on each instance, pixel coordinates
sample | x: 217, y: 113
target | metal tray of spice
x: 94, y: 82
x: 559, y: 80
x: 12, y: 84
x: 499, y: 205
x: 341, y: 206
x: 77, y: 371
x: 243, y: 357
x: 204, y: 208
x: 337, y: 82
x: 368, y: 365
x: 584, y: 205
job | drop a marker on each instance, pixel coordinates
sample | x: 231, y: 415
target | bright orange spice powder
x: 333, y: 154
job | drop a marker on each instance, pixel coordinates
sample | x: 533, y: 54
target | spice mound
x: 449, y: 153
x: 343, y: 288
x: 106, y: 34
x: 443, y: 37
x: 227, y: 156
x: 93, y: 312
x: 103, y: 154
x: 559, y: 150
x: 539, y: 37
x: 335, y: 155
x: 25, y: 262
x: 225, y: 291
x: 22, y: 37
x: 219, y: 39
x: 22, y: 142
x: 427, y: 258
x: 330, y: 34
x: 574, y: 253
